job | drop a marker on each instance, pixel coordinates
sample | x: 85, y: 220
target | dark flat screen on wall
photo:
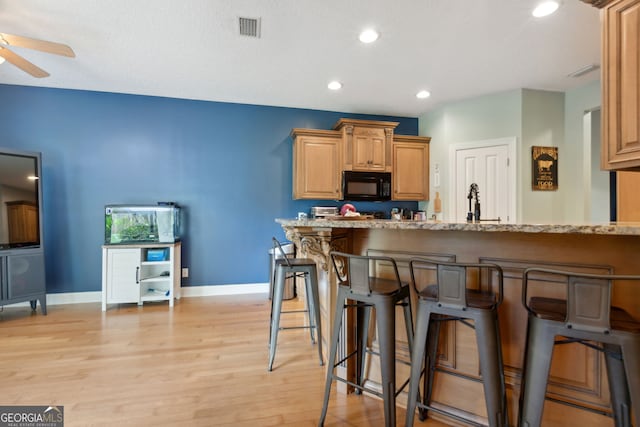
x: 19, y: 200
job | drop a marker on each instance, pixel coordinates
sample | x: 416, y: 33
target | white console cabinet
x: 139, y: 273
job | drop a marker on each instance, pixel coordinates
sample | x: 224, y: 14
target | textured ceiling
x: 192, y: 49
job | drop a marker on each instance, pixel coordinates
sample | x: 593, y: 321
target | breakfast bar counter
x: 627, y: 228
x: 577, y: 372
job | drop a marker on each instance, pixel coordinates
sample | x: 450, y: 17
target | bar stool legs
x: 447, y: 300
x: 585, y: 316
x: 312, y: 306
x: 534, y: 379
x: 491, y: 367
x: 333, y: 351
x: 623, y: 371
x: 489, y: 352
x: 276, y: 309
x: 423, y: 318
x: 386, y: 326
x: 631, y: 356
x: 387, y: 341
x: 313, y: 309
x: 618, y: 386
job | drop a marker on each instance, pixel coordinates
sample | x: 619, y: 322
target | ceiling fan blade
x: 41, y: 45
x: 22, y: 63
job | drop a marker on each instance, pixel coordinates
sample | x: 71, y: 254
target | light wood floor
x: 203, y: 363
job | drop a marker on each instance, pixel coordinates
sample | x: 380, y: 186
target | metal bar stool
x: 586, y: 317
x: 294, y: 267
x: 356, y: 284
x: 450, y: 299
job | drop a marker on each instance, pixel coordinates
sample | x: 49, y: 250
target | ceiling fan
x: 29, y: 43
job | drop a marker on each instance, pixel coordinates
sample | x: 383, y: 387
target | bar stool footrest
x: 282, y: 328
x: 466, y: 421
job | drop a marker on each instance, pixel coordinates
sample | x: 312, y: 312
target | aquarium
x: 142, y: 223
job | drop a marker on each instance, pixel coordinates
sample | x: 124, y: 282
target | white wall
x: 577, y: 153
x: 596, y: 181
x: 535, y: 118
x: 486, y: 117
x: 542, y: 125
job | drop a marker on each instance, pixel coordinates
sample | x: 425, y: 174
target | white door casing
x: 492, y: 165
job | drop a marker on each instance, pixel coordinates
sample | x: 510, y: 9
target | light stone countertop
x: 626, y: 228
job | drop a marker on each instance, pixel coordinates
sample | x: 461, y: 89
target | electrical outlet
x: 185, y: 272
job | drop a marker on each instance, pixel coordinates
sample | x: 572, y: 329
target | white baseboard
x: 74, y: 297
x: 186, y: 292
x: 204, y: 291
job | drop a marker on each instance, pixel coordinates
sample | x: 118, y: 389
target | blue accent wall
x: 228, y: 165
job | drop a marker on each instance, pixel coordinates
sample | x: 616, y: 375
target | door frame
x: 512, y: 173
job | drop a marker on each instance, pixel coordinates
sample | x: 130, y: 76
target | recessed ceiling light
x: 423, y: 94
x: 369, y: 36
x: 545, y: 8
x: 334, y: 85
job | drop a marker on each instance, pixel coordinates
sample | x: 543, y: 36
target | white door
x: 487, y: 164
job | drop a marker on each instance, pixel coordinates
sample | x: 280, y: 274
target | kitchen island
x: 577, y: 374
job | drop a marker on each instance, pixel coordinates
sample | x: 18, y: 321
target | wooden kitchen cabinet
x: 621, y: 85
x: 367, y: 144
x: 628, y: 203
x: 321, y: 156
x: 317, y: 164
x: 410, y: 179
x: 368, y: 149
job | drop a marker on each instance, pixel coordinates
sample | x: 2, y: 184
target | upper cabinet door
x: 317, y: 164
x: 366, y: 144
x: 621, y: 85
x: 369, y: 149
x: 410, y: 179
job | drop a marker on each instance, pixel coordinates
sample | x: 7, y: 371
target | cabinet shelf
x: 155, y: 263
x: 156, y: 279
x: 154, y: 296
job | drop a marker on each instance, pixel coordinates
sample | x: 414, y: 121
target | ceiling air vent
x: 250, y: 27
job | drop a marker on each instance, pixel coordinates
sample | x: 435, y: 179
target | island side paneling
x: 577, y: 373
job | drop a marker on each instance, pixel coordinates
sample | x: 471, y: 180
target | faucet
x: 473, y: 192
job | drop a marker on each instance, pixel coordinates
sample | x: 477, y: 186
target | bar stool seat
x: 451, y: 299
x: 556, y: 309
x: 585, y: 317
x: 475, y: 298
x: 367, y: 292
x: 286, y: 268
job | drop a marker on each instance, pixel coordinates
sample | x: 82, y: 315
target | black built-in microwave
x: 366, y: 186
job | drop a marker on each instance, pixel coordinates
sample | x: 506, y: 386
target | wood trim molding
x: 313, y: 245
x: 597, y: 3
x: 295, y: 132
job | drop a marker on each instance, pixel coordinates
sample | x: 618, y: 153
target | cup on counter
x: 395, y: 214
x: 302, y: 216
